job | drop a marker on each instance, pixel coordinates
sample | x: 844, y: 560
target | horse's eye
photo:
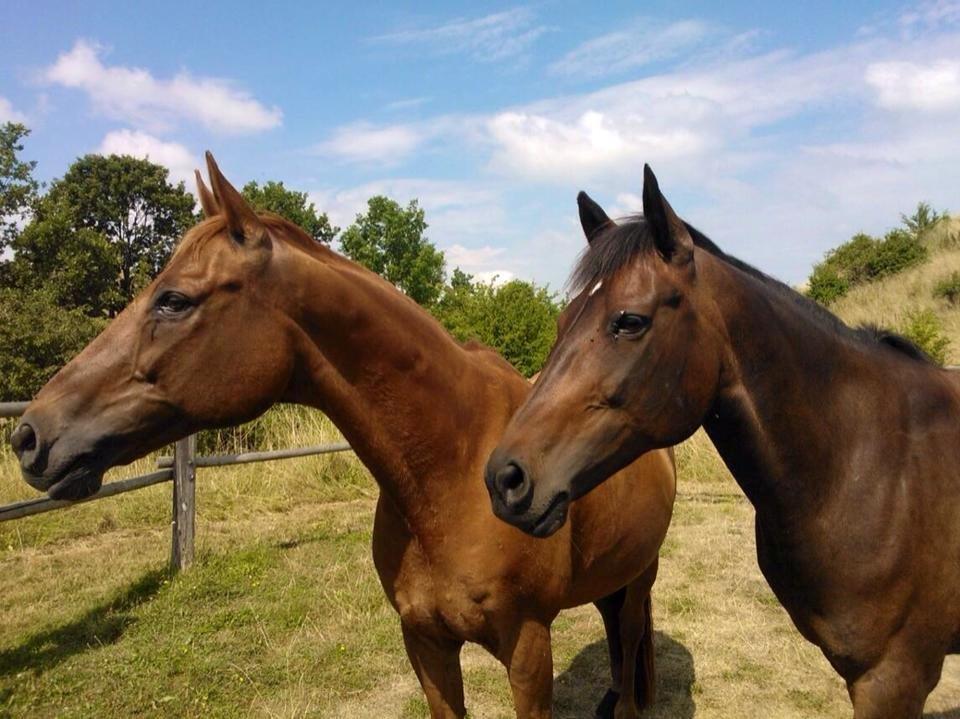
x: 629, y: 324
x: 172, y: 304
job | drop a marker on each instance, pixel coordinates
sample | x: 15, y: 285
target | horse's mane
x: 280, y: 228
x: 613, y: 248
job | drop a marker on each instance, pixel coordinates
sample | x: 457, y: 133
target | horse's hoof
x: 607, y: 705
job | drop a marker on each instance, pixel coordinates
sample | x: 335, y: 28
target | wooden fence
x: 181, y: 468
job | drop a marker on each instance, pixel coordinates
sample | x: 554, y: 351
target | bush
x: 923, y: 327
x: 826, y: 285
x: 897, y: 251
x: 948, y: 288
x: 863, y: 259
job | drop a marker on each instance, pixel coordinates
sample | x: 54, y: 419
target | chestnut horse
x: 251, y: 311
x: 847, y: 442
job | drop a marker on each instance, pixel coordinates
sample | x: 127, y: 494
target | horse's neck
x: 414, y: 405
x: 782, y: 399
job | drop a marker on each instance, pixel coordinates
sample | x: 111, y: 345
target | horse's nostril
x: 511, y: 477
x: 23, y: 440
x: 514, y: 487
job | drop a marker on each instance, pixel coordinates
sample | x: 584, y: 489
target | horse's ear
x: 242, y: 222
x: 207, y: 201
x: 592, y: 217
x: 670, y: 235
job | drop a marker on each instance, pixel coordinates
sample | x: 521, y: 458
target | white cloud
x: 489, y: 38
x: 716, y: 113
x: 541, y: 147
x: 913, y: 86
x: 8, y: 113
x: 681, y: 117
x: 135, y: 96
x: 366, y: 143
x: 644, y: 42
x: 174, y: 156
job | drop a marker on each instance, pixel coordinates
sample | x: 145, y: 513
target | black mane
x: 612, y: 248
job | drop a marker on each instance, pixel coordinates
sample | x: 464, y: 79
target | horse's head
x: 634, y: 367
x: 202, y: 346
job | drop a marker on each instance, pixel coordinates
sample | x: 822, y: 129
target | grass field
x: 283, y: 616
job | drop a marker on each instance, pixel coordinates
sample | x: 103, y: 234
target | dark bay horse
x: 251, y: 311
x: 847, y: 442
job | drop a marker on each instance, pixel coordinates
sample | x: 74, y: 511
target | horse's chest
x: 435, y: 598
x: 444, y: 606
x: 463, y: 591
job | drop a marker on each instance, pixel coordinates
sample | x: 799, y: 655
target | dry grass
x: 283, y: 615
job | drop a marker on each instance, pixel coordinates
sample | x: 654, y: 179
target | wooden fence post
x: 184, y: 502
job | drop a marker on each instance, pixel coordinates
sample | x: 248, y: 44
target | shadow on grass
x: 579, y: 689
x: 102, y: 625
x: 947, y: 714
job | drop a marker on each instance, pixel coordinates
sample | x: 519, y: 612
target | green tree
x: 37, y: 337
x: 517, y: 319
x: 135, y: 213
x: 389, y: 240
x: 923, y: 219
x: 76, y: 267
x: 458, y: 308
x: 18, y: 188
x: 293, y: 205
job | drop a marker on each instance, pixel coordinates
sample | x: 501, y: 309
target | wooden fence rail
x: 181, y: 468
x: 12, y: 409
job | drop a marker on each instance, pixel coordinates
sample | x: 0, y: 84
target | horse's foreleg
x: 636, y: 638
x: 609, y: 608
x: 528, y: 656
x: 437, y: 664
x: 896, y: 688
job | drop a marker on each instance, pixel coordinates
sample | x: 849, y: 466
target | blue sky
x: 777, y: 130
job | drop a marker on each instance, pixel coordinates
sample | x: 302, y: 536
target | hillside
x: 887, y: 302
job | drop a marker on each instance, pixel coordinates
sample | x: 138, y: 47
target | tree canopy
x: 37, y: 337
x: 389, y: 239
x: 517, y: 319
x: 294, y: 206
x: 18, y: 188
